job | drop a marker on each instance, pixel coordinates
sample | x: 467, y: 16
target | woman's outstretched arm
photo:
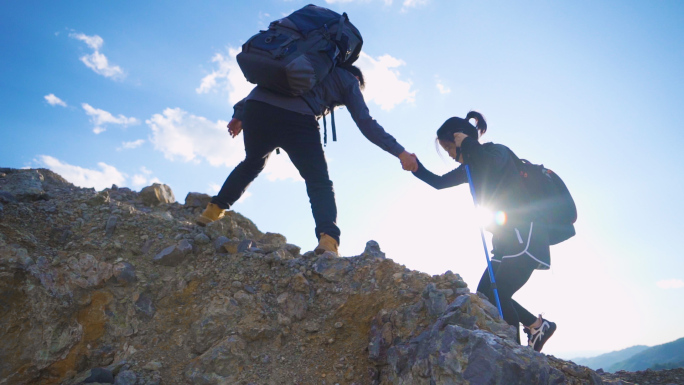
x: 450, y: 179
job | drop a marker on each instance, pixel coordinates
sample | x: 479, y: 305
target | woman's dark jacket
x: 496, y: 179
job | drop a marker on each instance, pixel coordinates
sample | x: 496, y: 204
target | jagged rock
x: 99, y: 199
x: 294, y: 250
x: 332, y: 268
x: 199, y: 200
x: 157, y: 194
x: 202, y: 239
x: 263, y: 314
x: 173, y: 255
x: 126, y: 377
x: 7, y: 197
x: 100, y: 375
x: 111, y: 225
x: 373, y: 250
x: 293, y: 305
x: 145, y: 306
x: 24, y: 185
x: 231, y: 247
x: 435, y: 300
x: 273, y: 239
x: 124, y: 273
x: 219, y: 365
x: 219, y: 242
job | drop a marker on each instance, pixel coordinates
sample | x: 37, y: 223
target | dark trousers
x: 265, y: 128
x: 516, y: 255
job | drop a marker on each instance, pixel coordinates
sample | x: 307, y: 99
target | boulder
x: 197, y: 200
x: 173, y: 255
x: 157, y: 194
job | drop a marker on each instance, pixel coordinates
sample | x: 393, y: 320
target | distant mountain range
x: 665, y: 356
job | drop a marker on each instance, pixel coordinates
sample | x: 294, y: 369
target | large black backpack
x: 296, y: 52
x: 549, y: 200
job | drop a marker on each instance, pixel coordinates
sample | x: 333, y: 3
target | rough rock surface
x: 149, y: 298
x: 157, y: 194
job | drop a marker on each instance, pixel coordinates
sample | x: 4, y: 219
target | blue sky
x: 131, y: 93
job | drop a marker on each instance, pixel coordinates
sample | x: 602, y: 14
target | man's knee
x: 253, y: 164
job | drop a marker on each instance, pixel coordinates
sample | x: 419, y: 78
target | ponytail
x: 453, y: 125
x: 481, y: 124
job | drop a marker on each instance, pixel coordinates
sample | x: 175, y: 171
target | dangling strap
x: 340, y: 26
x: 332, y: 120
x: 325, y: 132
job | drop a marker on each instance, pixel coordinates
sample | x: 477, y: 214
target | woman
x: 272, y: 120
x: 520, y: 241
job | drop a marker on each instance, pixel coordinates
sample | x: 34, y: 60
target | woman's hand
x: 458, y: 138
x: 409, y: 161
x: 235, y: 127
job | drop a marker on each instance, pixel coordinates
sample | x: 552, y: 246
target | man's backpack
x: 550, y: 199
x: 296, y: 52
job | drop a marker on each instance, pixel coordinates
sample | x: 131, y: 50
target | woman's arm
x: 450, y: 179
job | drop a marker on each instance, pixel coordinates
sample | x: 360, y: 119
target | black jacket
x: 496, y: 179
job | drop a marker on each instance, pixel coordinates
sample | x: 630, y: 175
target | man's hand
x: 235, y: 127
x: 409, y: 161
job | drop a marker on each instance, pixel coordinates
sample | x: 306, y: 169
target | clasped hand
x: 409, y: 162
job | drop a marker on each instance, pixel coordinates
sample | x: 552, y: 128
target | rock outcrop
x: 117, y: 287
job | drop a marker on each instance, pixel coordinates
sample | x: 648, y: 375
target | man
x: 271, y: 120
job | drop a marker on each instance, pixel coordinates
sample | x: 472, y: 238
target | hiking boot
x: 537, y: 337
x: 326, y: 243
x: 210, y: 214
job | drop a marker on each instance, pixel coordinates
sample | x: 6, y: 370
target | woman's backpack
x: 550, y: 199
x: 296, y: 52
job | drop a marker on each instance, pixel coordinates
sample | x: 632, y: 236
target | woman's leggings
x: 515, y: 256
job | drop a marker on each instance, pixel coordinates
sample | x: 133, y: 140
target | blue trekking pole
x: 484, y: 243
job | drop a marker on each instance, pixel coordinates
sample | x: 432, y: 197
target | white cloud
x: 387, y: 2
x: 94, y: 42
x: 145, y: 171
x: 442, y: 88
x: 138, y: 180
x: 131, y: 145
x: 227, y: 76
x: 213, y: 188
x: 670, y: 284
x: 144, y: 179
x: 279, y: 167
x: 180, y: 135
x: 83, y: 177
x: 244, y: 196
x: 55, y: 101
x: 97, y: 61
x: 383, y: 83
x: 412, y: 4
x: 99, y: 118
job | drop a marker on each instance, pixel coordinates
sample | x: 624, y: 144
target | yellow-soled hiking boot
x: 326, y: 243
x: 210, y: 214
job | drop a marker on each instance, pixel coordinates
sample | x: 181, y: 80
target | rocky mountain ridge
x: 121, y: 287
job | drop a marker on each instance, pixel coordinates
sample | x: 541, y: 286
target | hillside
x: 665, y: 356
x: 120, y: 287
x: 604, y: 361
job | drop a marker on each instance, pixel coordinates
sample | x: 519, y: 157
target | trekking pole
x: 484, y: 243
